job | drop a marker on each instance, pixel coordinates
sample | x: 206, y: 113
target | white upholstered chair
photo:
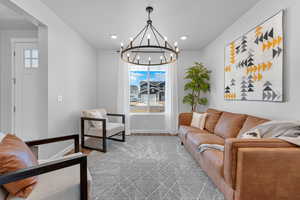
x: 95, y: 123
x: 65, y: 178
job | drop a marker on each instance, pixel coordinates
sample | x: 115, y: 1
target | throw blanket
x: 286, y: 130
x: 204, y: 147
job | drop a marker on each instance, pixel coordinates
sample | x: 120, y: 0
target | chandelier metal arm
x: 151, y: 27
x: 146, y: 27
x: 158, y: 42
x: 138, y: 34
x: 162, y: 37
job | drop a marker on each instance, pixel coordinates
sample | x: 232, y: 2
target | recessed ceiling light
x: 113, y: 36
x: 184, y: 37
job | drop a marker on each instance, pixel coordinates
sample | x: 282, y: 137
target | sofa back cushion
x: 16, y: 155
x: 229, y: 124
x: 212, y: 119
x: 251, y: 122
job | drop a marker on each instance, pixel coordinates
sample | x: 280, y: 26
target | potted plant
x: 198, y: 82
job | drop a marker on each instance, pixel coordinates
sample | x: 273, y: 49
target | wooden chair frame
x: 53, y: 165
x: 104, y: 137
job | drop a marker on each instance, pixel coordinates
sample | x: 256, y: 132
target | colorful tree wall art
x: 254, y: 63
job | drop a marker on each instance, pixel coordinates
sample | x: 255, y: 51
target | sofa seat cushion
x: 251, y: 122
x: 229, y: 124
x: 212, y: 118
x: 214, y: 161
x: 111, y: 129
x: 195, y: 139
x: 184, y: 130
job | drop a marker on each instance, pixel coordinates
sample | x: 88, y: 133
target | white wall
x: 72, y: 65
x: 107, y: 87
x: 213, y: 57
x: 107, y: 80
x: 6, y: 74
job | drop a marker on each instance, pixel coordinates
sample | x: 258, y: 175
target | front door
x: 25, y: 89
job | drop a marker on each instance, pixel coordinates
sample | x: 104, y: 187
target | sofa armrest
x: 268, y: 173
x: 185, y: 119
x: 234, y: 145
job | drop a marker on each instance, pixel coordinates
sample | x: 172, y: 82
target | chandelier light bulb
x: 175, y: 44
x: 161, y: 57
x: 128, y: 55
x: 148, y: 39
x: 138, y: 57
x: 166, y: 41
x: 177, y: 49
x: 131, y: 39
x: 149, y: 58
x: 122, y: 45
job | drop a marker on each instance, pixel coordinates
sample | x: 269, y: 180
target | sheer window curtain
x: 171, y: 106
x: 123, y: 93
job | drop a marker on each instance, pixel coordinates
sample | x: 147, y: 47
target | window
x: 147, y: 89
x: 31, y: 58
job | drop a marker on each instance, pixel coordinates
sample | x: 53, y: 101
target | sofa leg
x: 181, y: 143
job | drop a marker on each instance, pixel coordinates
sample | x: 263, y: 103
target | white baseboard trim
x: 149, y: 131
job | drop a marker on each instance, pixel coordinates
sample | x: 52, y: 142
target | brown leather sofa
x: 248, y: 169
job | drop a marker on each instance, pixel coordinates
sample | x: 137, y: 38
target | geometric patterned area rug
x: 149, y: 168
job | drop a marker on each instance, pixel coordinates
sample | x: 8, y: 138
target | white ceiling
x: 201, y: 20
x: 10, y: 20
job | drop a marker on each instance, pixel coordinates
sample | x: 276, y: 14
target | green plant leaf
x: 197, y: 77
x: 203, y: 101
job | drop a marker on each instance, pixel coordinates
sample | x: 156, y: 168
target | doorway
x: 26, y: 104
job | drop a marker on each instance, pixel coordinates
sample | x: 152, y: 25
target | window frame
x: 31, y: 58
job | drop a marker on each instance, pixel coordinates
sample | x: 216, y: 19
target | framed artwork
x: 254, y: 63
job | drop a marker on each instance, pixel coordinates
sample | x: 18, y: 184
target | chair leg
x: 83, y: 180
x: 123, y: 136
x: 82, y: 133
x: 104, y: 142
